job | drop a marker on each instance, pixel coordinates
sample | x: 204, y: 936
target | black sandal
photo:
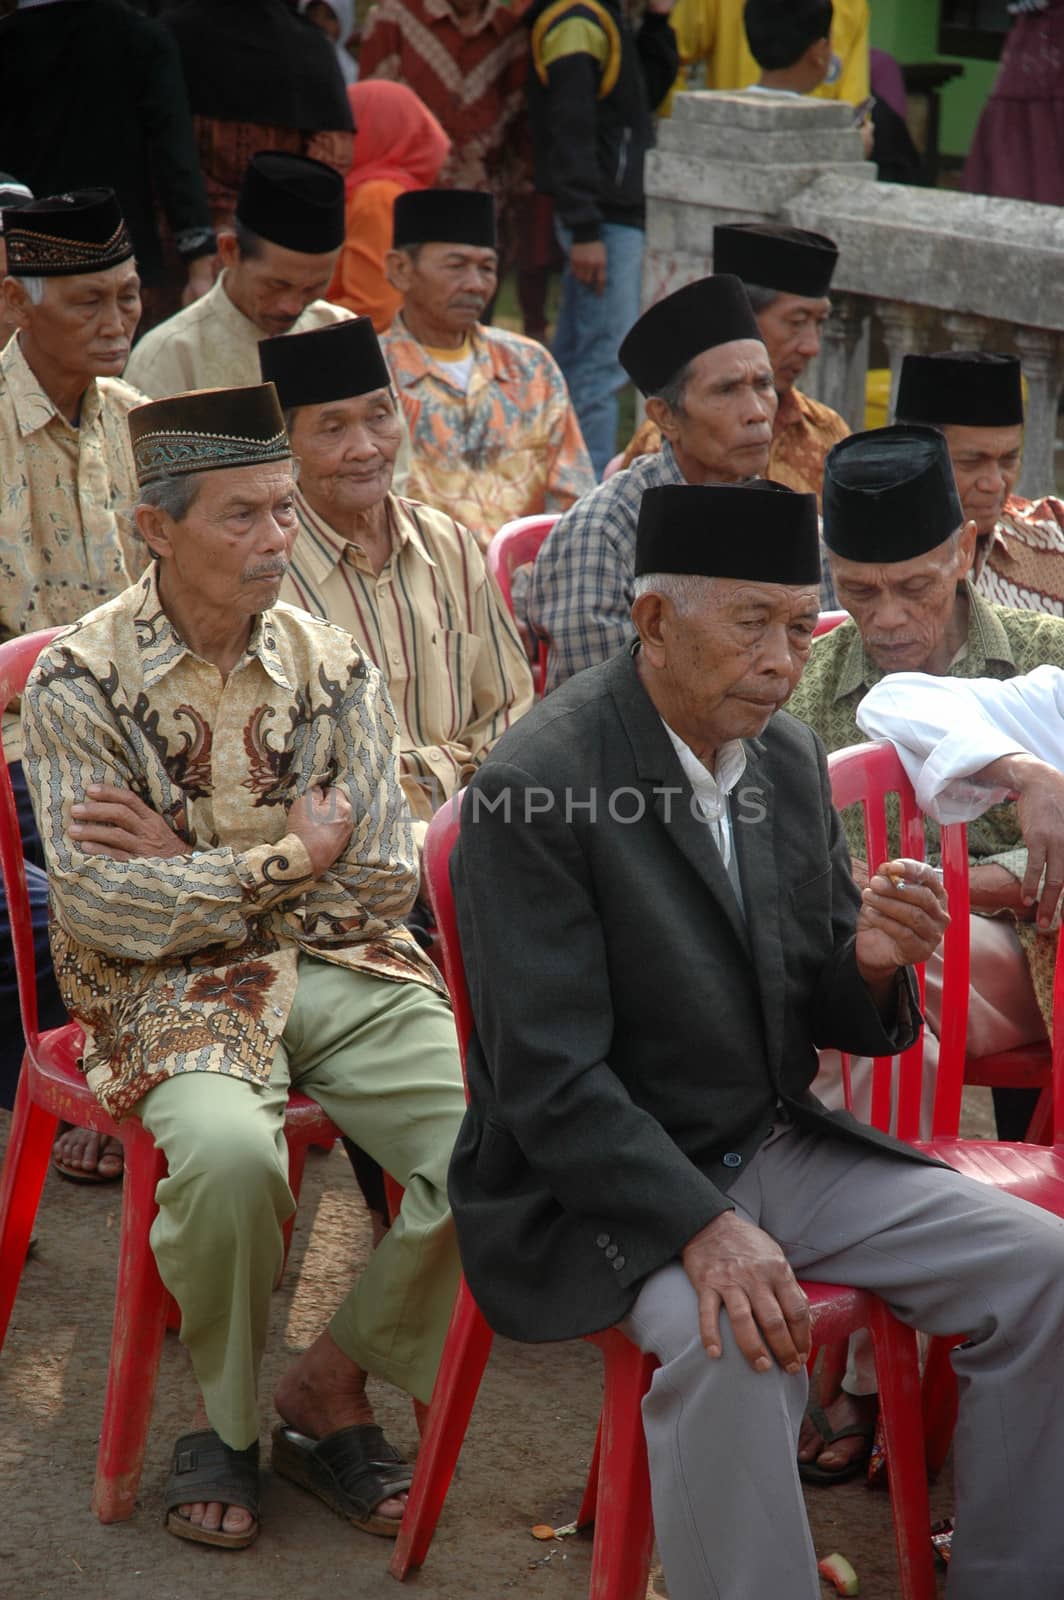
x: 204, y: 1469
x: 352, y: 1470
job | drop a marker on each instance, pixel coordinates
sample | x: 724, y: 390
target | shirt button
x: 732, y: 1159
x: 618, y: 1264
x: 277, y: 1011
x: 611, y: 1251
x: 397, y: 659
x: 602, y: 1240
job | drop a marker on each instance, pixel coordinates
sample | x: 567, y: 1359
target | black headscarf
x: 255, y: 61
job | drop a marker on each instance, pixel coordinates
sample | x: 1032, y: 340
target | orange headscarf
x: 396, y: 136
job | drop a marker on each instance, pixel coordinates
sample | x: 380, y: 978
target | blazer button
x: 732, y: 1159
x: 603, y: 1240
x: 618, y: 1264
x: 611, y: 1251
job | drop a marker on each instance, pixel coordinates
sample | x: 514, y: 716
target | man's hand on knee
x: 734, y: 1264
x: 322, y: 820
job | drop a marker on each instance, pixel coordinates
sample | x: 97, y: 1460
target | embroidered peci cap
x: 206, y: 430
x: 444, y: 216
x: 337, y: 362
x: 761, y: 531
x: 710, y: 312
x: 63, y: 235
x: 791, y: 260
x: 293, y: 201
x: 890, y: 495
x: 972, y: 388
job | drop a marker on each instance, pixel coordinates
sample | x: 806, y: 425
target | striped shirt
x: 435, y: 624
x: 189, y: 963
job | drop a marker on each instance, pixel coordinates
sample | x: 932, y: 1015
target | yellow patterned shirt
x: 188, y: 964
x: 66, y: 495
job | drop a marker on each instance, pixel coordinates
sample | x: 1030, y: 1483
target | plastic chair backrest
x: 828, y: 620
x: 516, y: 544
x: 865, y: 775
x: 436, y: 874
x: 17, y: 659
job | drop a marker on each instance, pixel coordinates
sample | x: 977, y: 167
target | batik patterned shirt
x: 188, y: 963
x: 507, y: 446
x: 1024, y: 566
x: 66, y: 495
x: 435, y: 624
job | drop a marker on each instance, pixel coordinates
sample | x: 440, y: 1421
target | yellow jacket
x: 712, y: 31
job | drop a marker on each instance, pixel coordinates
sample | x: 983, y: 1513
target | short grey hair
x: 673, y: 392
x: 175, y: 495
x: 761, y: 298
x: 34, y: 288
x: 685, y: 591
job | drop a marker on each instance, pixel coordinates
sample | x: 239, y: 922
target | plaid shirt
x: 581, y: 593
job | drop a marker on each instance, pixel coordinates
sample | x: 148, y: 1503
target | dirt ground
x: 524, y: 1461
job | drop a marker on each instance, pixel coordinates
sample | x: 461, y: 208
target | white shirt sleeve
x: 946, y: 729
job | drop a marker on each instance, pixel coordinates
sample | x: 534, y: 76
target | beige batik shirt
x: 436, y: 626
x: 188, y: 963
x: 66, y: 495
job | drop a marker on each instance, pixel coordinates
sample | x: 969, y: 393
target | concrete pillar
x: 904, y: 333
x: 1043, y: 366
x: 843, y: 360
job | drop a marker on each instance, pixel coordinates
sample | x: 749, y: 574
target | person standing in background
x: 713, y: 32
x: 336, y: 19
x: 1018, y: 149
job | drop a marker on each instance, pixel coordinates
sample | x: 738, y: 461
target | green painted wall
x: 908, y: 29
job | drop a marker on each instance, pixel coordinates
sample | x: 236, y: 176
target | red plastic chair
x: 516, y: 545
x: 828, y: 620
x: 866, y: 774
x: 52, y: 1089
x: 617, y: 1497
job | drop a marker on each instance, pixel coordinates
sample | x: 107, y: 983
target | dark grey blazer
x: 633, y: 1034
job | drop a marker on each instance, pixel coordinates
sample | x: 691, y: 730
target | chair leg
x: 141, y: 1304
x: 1040, y: 1127
x: 465, y: 1355
x: 25, y: 1169
x: 586, y: 1515
x: 624, y: 1528
x: 939, y: 1403
x: 898, y: 1373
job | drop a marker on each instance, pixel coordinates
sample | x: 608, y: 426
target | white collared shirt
x: 711, y: 789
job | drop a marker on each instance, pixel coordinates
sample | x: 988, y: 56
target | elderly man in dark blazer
x: 660, y: 926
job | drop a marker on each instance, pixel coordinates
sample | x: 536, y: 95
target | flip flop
x: 812, y: 1472
x: 206, y: 1469
x: 352, y: 1470
x: 83, y: 1174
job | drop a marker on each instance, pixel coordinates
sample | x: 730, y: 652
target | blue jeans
x: 589, y: 332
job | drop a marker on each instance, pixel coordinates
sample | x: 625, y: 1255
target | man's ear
x: 398, y: 269
x: 228, y: 251
x: 663, y: 416
x: 966, y: 549
x: 17, y: 301
x: 154, y: 527
x: 647, y: 619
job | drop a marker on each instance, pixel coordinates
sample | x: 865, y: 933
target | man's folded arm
x: 148, y: 909
x: 544, y: 1019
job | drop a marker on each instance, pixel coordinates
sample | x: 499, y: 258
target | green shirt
x: 1000, y: 644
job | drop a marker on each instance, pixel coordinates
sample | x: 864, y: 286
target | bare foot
x: 82, y: 1151
x: 324, y: 1391
x: 845, y: 1411
x: 213, y: 1515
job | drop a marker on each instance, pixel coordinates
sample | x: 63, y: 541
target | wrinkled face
x: 791, y: 327
x: 275, y: 287
x: 732, y: 660
x: 84, y: 326
x: 448, y: 285
x: 986, y: 464
x: 346, y: 452
x: 903, y: 609
x: 729, y: 405
x: 232, y: 548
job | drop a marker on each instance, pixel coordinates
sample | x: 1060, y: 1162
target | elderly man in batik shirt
x: 66, y: 492
x: 494, y: 432
x: 230, y: 861
x: 976, y: 398
x: 787, y: 274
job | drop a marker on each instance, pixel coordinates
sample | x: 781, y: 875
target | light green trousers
x: 381, y: 1059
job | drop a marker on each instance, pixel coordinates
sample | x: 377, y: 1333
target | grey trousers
x: 948, y: 1255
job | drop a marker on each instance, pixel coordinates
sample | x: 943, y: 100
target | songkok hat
x: 968, y: 387
x: 889, y: 495
x: 206, y: 430
x: 704, y: 314
x: 760, y: 531
x: 13, y: 195
x: 293, y: 201
x: 63, y: 235
x: 332, y: 363
x: 788, y: 259
x: 444, y: 216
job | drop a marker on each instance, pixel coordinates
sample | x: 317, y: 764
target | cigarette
x: 898, y: 879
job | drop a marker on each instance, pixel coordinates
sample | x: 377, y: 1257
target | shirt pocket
x: 444, y: 691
